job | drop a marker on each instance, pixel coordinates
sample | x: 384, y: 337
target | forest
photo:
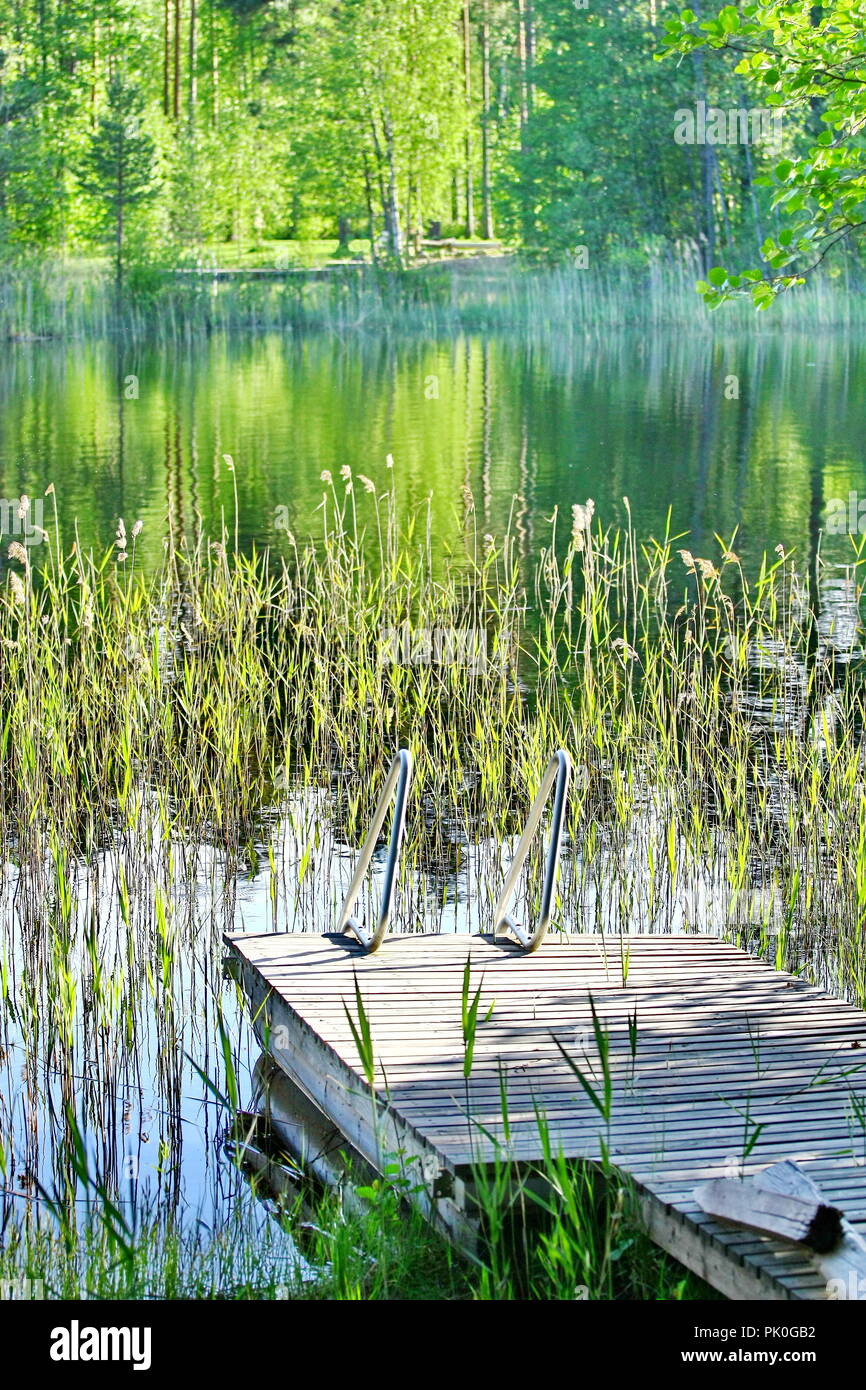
x: 165, y: 131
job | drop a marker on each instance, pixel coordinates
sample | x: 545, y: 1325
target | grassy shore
x: 56, y: 299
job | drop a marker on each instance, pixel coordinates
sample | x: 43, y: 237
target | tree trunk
x: 467, y: 90
x: 407, y: 206
x: 529, y: 20
x: 709, y: 227
x: 344, y: 235
x: 521, y: 63
x: 371, y: 220
x: 118, y: 250
x: 524, y: 51
x: 380, y: 177
x: 118, y: 227
x: 177, y: 27
x: 214, y: 74
x: 392, y: 210
x: 486, y: 200
x: 193, y: 62
x: 748, y: 184
x: 43, y: 46
x: 707, y: 155
x: 94, y: 75
x: 166, y: 59
x: 723, y: 206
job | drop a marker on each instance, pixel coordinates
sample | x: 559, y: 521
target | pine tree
x: 120, y: 165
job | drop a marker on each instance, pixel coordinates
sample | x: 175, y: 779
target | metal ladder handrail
x: 400, y: 777
x: 558, y: 771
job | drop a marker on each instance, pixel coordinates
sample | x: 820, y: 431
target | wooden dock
x: 726, y: 1048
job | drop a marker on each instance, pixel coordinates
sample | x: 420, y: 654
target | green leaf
x: 362, y: 1034
x: 469, y: 1018
x: 717, y: 276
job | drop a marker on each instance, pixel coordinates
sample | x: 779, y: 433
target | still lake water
x: 141, y: 432
x: 649, y: 418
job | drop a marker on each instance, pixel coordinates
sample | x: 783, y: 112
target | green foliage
x: 29, y: 174
x: 469, y: 1019
x: 383, y: 119
x: 599, y: 166
x: 809, y: 62
x: 119, y: 166
x: 362, y: 1035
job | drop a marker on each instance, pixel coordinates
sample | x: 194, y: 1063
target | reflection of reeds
x: 173, y: 744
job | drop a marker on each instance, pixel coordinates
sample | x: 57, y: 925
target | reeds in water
x: 184, y: 751
x: 59, y: 299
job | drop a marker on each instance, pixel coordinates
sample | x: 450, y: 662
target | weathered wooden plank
x: 716, y: 1029
x: 802, y: 1220
x: 783, y: 1200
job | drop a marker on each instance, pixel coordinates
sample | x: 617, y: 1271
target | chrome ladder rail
x: 558, y: 771
x: 399, y: 777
